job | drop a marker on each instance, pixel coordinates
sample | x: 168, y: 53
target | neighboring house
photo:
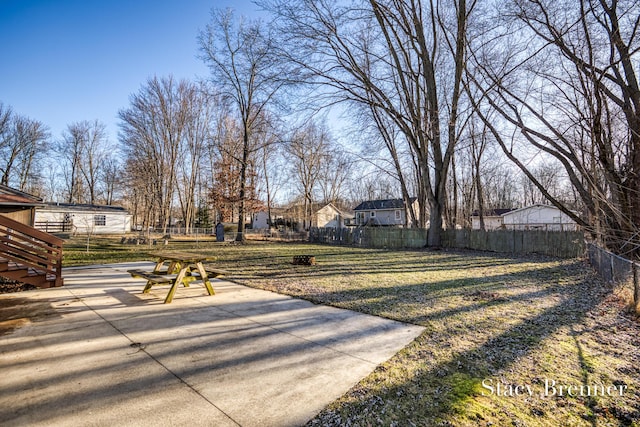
x: 389, y: 212
x: 260, y: 219
x: 326, y: 216
x: 538, y: 217
x: 534, y: 217
x: 329, y: 216
x: 82, y: 218
x: 18, y: 205
x: 492, y: 219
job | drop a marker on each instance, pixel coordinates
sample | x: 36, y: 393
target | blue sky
x: 65, y: 61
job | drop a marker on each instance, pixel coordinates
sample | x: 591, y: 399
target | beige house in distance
x: 329, y: 216
x: 493, y: 219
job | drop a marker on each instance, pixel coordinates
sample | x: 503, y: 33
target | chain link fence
x: 616, y: 270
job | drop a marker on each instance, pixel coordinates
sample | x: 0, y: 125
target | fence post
x: 636, y: 287
x: 611, y: 268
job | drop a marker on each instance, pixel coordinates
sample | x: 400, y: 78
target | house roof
x: 492, y: 212
x: 371, y: 205
x: 12, y: 197
x: 339, y: 211
x: 85, y: 207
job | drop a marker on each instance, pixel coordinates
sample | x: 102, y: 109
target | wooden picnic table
x: 177, y: 268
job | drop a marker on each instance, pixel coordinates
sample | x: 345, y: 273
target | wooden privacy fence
x: 562, y: 244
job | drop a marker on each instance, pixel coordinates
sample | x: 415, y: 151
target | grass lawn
x: 509, y: 341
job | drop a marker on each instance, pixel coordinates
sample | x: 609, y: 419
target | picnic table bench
x: 213, y: 273
x: 151, y: 276
x: 177, y: 268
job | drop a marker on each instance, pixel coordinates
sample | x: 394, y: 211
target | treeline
x: 465, y: 105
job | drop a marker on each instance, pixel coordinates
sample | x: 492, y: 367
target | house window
x: 99, y: 220
x: 373, y: 214
x: 398, y: 215
x: 360, y: 218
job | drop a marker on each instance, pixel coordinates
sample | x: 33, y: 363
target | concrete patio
x: 99, y: 352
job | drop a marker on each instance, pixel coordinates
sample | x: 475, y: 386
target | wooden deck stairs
x: 29, y: 255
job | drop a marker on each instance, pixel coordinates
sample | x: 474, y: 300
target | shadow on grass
x: 476, y: 292
x: 444, y: 390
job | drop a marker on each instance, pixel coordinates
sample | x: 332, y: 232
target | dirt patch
x: 16, y: 312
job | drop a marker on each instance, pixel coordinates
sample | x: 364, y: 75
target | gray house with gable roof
x: 388, y: 212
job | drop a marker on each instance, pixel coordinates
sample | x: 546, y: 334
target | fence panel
x: 562, y: 244
x: 616, y: 270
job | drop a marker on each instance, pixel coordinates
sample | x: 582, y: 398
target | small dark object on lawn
x: 304, y: 260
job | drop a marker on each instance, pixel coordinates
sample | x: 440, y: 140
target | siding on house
x: 534, y: 217
x: 18, y: 205
x: 388, y: 212
x: 326, y: 216
x: 260, y: 220
x: 538, y: 217
x: 92, y: 219
x: 492, y: 219
x: 23, y: 216
x: 330, y: 217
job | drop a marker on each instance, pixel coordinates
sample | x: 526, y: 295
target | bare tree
x: 391, y: 55
x: 110, y: 179
x: 271, y: 169
x: 197, y: 133
x: 7, y: 143
x: 22, y: 142
x: 243, y: 69
x: 70, y: 150
x: 225, y: 190
x: 84, y: 148
x: 478, y: 137
x: 395, y: 150
x: 308, y: 151
x: 335, y: 173
x: 565, y: 79
x: 152, y: 133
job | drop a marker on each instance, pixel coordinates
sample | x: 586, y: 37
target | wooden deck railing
x: 54, y: 226
x: 32, y: 248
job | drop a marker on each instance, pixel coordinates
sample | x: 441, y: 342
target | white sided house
x: 388, y: 212
x: 260, y: 221
x: 538, y: 217
x: 83, y: 219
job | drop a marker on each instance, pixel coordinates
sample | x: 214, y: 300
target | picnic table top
x: 182, y: 257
